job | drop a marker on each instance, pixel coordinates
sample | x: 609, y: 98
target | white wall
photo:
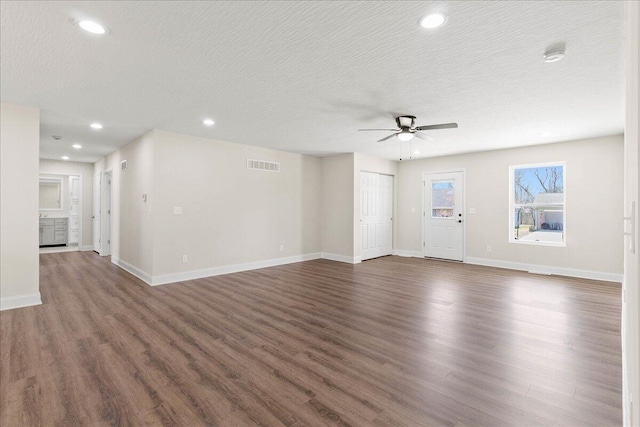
x: 131, y: 217
x: 85, y: 170
x: 366, y: 163
x: 231, y: 215
x: 338, y: 201
x: 631, y: 293
x: 593, y: 198
x: 19, y: 235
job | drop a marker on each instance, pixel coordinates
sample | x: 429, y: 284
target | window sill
x: 538, y: 243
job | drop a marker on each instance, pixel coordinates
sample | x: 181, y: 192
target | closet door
x: 376, y: 215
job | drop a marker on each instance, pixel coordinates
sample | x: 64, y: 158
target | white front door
x: 96, y: 212
x: 443, y: 215
x: 376, y: 215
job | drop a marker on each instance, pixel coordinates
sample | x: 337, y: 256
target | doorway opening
x: 60, y: 212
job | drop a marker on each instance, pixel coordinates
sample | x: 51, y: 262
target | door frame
x: 81, y: 205
x: 464, y: 208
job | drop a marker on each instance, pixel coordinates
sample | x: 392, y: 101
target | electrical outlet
x: 177, y: 210
x: 281, y: 248
x: 185, y: 259
x: 489, y: 248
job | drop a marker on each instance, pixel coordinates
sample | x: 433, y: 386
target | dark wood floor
x: 389, y: 342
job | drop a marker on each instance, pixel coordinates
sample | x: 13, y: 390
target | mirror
x: 50, y: 194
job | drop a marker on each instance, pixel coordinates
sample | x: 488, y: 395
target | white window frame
x: 512, y: 239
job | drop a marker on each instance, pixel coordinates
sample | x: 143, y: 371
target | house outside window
x: 537, y: 204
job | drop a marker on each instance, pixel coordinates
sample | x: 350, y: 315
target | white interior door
x: 443, y: 215
x: 96, y: 212
x: 106, y: 217
x: 376, y: 215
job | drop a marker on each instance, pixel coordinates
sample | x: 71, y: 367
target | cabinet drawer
x: 60, y: 236
x: 59, y: 227
x: 48, y: 221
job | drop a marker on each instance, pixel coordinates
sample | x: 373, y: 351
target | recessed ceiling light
x: 96, y: 126
x: 553, y: 55
x: 433, y: 20
x: 92, y: 27
x: 65, y: 157
x: 208, y: 122
x: 77, y: 146
x: 56, y: 137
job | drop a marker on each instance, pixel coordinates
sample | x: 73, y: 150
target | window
x: 442, y: 199
x: 537, y: 204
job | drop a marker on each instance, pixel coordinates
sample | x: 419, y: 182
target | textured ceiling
x: 304, y: 76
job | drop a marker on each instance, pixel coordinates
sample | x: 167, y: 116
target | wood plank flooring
x: 389, y: 342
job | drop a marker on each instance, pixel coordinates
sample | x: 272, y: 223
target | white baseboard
x: 85, y: 248
x: 227, y: 269
x: 341, y: 258
x: 140, y: 274
x: 409, y: 254
x: 20, y: 301
x: 545, y: 269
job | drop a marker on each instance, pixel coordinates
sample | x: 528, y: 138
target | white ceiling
x: 304, y: 76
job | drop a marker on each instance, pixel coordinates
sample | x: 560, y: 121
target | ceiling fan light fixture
x: 433, y: 20
x: 404, y: 135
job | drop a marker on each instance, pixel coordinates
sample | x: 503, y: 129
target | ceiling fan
x: 407, y: 129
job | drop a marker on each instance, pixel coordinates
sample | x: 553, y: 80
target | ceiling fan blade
x: 423, y: 136
x: 389, y: 130
x: 440, y: 126
x: 387, y: 137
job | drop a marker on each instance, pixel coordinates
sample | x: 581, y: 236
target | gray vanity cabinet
x: 54, y: 231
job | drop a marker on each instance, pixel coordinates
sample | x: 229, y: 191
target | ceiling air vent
x: 123, y: 165
x: 263, y: 165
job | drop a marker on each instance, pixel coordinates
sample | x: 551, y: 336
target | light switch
x: 472, y: 211
x: 413, y: 210
x: 177, y: 210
